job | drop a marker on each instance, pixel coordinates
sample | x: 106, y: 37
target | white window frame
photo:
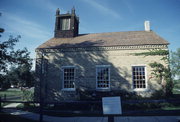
x: 103, y: 66
x: 146, y: 84
x: 68, y: 89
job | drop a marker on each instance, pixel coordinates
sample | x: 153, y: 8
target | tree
x: 20, y: 76
x: 1, y: 29
x: 175, y: 67
x: 7, y: 53
x: 175, y: 64
x: 19, y: 59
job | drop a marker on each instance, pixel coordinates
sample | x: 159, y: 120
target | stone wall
x: 120, y: 62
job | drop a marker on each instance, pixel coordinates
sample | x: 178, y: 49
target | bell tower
x: 66, y: 25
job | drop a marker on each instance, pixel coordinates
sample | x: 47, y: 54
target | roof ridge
x: 115, y: 32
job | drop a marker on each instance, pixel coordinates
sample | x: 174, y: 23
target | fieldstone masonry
x: 120, y: 62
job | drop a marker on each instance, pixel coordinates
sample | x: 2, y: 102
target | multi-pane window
x: 65, y: 24
x: 102, y: 77
x: 139, y: 79
x: 69, y: 77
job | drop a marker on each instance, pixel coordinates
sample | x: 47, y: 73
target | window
x: 139, y: 79
x: 102, y: 77
x: 69, y: 77
x: 65, y: 24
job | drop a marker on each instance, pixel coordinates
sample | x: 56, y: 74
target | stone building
x: 71, y: 65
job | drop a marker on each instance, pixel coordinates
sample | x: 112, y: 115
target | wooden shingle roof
x: 129, y: 38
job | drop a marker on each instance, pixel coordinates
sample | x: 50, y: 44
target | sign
x: 111, y: 105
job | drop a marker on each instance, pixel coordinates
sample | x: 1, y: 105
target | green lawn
x: 176, y: 91
x: 171, y: 108
x: 11, y: 93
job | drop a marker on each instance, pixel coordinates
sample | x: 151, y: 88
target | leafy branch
x: 159, y: 70
x: 154, y: 52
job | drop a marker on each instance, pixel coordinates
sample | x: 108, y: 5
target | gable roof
x: 129, y: 38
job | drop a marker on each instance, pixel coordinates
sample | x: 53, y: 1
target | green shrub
x: 28, y: 95
x: 158, y: 94
x: 177, y: 86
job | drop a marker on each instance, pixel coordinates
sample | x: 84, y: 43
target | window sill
x: 140, y: 89
x: 69, y: 89
x: 103, y: 89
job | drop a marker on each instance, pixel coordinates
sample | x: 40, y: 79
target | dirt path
x: 12, y: 105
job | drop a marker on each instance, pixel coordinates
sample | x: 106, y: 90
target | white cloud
x: 25, y: 27
x: 102, y: 9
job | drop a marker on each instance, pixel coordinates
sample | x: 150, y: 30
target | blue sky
x: 34, y: 19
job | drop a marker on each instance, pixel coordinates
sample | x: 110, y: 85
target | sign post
x: 111, y: 106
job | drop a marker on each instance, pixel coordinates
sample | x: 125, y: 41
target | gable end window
x: 103, y: 77
x: 65, y: 24
x: 69, y: 78
x: 139, y: 77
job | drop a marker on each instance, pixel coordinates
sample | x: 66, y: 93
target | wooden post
x: 110, y: 118
x: 41, y: 112
x: 0, y: 104
x: 41, y: 96
x: 4, y: 96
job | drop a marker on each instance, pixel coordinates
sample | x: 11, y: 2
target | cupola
x: 66, y: 25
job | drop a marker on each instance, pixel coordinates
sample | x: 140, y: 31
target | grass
x: 176, y: 91
x: 11, y: 93
x: 171, y: 108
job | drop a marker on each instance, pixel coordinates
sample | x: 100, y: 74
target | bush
x: 97, y: 95
x: 158, y: 94
x: 28, y: 95
x: 177, y: 86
